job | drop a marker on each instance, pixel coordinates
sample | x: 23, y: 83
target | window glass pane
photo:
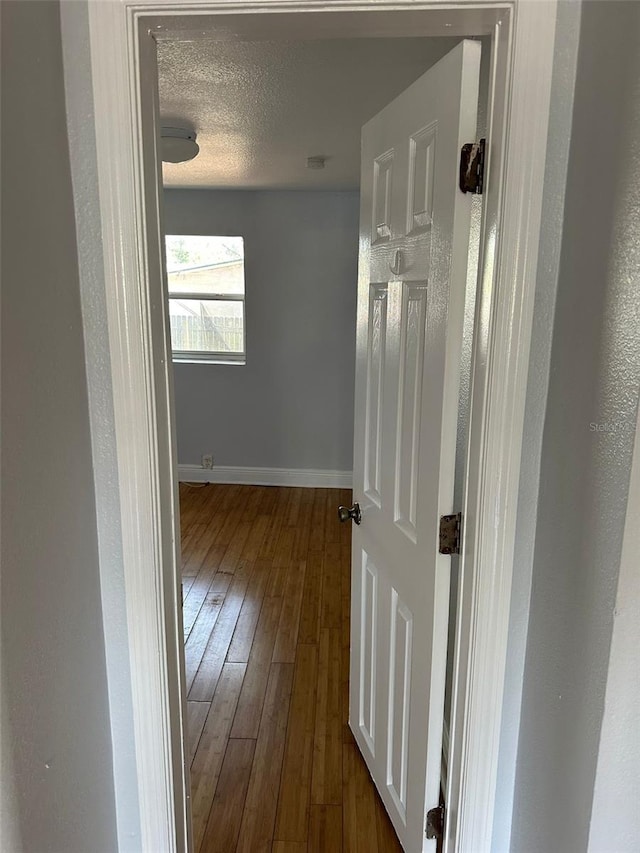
x: 205, y: 265
x: 207, y: 325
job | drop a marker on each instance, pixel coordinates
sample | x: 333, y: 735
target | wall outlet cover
x: 207, y: 460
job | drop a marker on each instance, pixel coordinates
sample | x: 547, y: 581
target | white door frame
x: 123, y: 66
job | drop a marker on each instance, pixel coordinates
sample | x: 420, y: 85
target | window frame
x: 209, y: 356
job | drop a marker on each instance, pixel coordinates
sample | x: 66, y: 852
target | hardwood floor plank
x: 385, y: 833
x: 331, y: 613
x: 303, y: 525
x: 332, y: 530
x: 284, y: 548
x: 318, y: 517
x: 272, y: 534
x: 247, y: 719
x: 205, y: 623
x: 285, y: 494
x: 225, y: 817
x: 302, y: 536
x: 325, y: 829
x: 194, y: 502
x: 309, y: 629
x: 196, y: 717
x: 277, y: 581
x: 187, y: 536
x: 347, y: 736
x: 200, y: 546
x: 196, y: 550
x: 231, y: 496
x: 198, y: 590
x: 230, y: 525
x: 215, y: 653
x: 235, y: 547
x: 292, y: 822
x: 252, y: 546
x: 211, y: 515
x: 252, y: 509
x: 268, y: 502
x: 187, y: 583
x: 285, y: 646
x: 293, y: 510
x: 345, y: 592
x: 245, y: 629
x: 326, y: 786
x: 358, y: 805
x: 281, y: 562
x: 289, y: 847
x: 205, y: 768
x: 256, y: 832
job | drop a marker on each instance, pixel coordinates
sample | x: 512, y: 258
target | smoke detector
x: 178, y: 144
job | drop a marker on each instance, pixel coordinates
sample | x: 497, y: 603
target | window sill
x: 179, y: 359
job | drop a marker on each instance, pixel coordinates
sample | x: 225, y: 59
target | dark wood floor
x: 274, y: 767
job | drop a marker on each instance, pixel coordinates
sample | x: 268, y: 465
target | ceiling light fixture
x: 178, y: 144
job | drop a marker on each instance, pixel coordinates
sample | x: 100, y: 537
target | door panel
x: 369, y: 627
x: 376, y: 347
x: 421, y: 160
x: 414, y: 230
x: 382, y: 178
x: 412, y: 333
x: 399, y: 701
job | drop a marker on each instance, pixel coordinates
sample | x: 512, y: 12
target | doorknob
x: 345, y: 513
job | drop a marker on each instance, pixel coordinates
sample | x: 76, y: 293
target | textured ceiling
x: 261, y: 108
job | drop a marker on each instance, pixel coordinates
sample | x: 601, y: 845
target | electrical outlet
x: 207, y: 460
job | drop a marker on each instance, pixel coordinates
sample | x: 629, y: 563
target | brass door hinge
x: 450, y: 533
x: 472, y: 167
x: 435, y: 823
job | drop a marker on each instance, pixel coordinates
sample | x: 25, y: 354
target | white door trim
x: 523, y: 41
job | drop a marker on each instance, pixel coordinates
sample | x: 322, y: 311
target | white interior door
x: 414, y: 234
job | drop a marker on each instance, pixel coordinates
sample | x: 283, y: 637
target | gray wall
x: 594, y: 380
x: 55, y: 722
x: 615, y: 817
x: 291, y: 405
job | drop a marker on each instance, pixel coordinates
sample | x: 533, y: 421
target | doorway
x: 319, y: 86
x: 140, y: 382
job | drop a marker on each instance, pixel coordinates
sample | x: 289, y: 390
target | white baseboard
x: 311, y: 478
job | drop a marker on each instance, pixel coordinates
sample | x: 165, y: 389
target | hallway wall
x: 57, y: 774
x: 291, y: 405
x: 587, y: 447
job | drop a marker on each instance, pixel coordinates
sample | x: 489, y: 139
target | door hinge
x: 472, y: 167
x: 435, y: 823
x: 450, y: 533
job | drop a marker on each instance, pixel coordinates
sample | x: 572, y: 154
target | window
x: 206, y: 298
